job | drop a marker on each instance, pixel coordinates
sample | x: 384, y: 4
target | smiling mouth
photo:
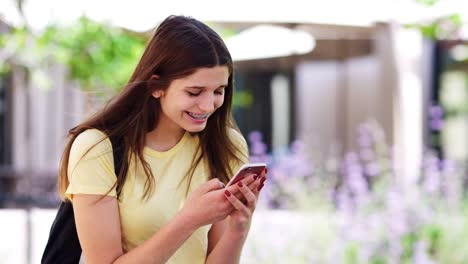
x: 198, y: 116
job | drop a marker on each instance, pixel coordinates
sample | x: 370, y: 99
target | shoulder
x: 92, y: 140
x: 241, y: 151
x: 238, y: 140
x: 236, y: 137
x: 91, y: 136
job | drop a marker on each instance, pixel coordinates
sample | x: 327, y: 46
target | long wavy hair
x: 179, y: 46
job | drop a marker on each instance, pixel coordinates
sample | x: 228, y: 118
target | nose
x: 207, y: 103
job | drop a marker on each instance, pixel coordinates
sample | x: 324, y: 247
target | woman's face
x: 188, y: 102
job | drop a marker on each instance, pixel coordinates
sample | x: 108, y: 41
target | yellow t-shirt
x: 93, y: 173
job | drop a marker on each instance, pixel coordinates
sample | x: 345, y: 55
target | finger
x: 211, y: 185
x: 254, y: 185
x: 237, y: 203
x: 248, y: 194
x: 261, y: 181
x: 261, y: 184
x: 255, y: 180
x: 247, y: 180
x: 250, y: 181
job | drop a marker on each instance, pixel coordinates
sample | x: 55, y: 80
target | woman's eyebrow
x: 203, y: 87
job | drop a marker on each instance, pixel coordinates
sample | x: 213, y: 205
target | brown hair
x: 179, y: 47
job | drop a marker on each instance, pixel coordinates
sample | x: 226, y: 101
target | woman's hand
x: 240, y: 219
x: 206, y: 204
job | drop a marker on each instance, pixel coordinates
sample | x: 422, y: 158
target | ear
x: 156, y: 93
x: 154, y: 77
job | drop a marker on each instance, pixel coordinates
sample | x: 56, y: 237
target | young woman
x: 168, y: 204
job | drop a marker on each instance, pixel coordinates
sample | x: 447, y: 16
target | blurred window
x: 5, y: 121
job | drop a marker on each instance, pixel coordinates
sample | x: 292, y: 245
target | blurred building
x: 33, y: 126
x: 448, y: 121
x: 353, y: 74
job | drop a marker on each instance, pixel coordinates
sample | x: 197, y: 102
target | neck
x: 164, y: 136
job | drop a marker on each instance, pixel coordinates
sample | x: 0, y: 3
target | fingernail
x: 227, y: 192
x: 255, y: 177
x: 240, y: 184
x: 262, y: 180
x: 222, y: 185
x: 260, y: 187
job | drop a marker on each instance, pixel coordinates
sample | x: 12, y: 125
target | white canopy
x: 143, y: 15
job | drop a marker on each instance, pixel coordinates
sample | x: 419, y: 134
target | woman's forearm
x: 163, y: 244
x: 228, y: 249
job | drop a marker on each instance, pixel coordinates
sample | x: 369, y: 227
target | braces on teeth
x: 198, y: 116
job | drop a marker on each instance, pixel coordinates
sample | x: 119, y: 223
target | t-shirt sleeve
x: 241, y: 144
x: 91, y: 165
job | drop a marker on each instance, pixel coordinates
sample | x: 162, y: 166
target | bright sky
x: 142, y: 15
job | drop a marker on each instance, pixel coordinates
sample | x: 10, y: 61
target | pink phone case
x: 247, y: 170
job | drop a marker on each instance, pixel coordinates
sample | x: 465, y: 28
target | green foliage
x: 434, y: 233
x: 408, y: 241
x: 450, y: 233
x: 242, y: 99
x: 378, y: 260
x: 441, y: 28
x: 427, y: 2
x: 456, y: 19
x: 352, y: 254
x: 97, y: 55
x: 224, y: 31
x: 3, y: 69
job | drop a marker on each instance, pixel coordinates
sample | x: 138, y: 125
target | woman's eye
x: 219, y: 92
x: 193, y: 94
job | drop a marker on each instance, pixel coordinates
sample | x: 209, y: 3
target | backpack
x: 63, y: 245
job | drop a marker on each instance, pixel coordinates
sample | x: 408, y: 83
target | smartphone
x: 247, y: 169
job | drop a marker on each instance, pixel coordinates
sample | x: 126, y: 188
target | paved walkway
x: 273, y: 234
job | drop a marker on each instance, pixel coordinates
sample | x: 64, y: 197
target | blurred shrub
x: 96, y: 54
x: 376, y: 215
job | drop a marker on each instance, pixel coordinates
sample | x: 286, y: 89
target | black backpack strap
x: 118, y: 152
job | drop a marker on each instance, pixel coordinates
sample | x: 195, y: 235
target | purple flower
x: 365, y: 141
x: 432, y: 181
x: 372, y: 169
x: 258, y: 148
x: 367, y: 154
x: 255, y: 136
x: 436, y: 112
x: 374, y: 207
x: 363, y: 129
x: 448, y: 166
x: 437, y: 124
x: 351, y: 157
x: 298, y: 147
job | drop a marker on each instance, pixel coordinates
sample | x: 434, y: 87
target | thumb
x: 211, y: 185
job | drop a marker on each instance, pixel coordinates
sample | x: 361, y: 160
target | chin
x: 195, y: 129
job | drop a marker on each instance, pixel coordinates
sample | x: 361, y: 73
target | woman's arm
x: 227, y: 237
x: 228, y: 245
x: 98, y: 226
